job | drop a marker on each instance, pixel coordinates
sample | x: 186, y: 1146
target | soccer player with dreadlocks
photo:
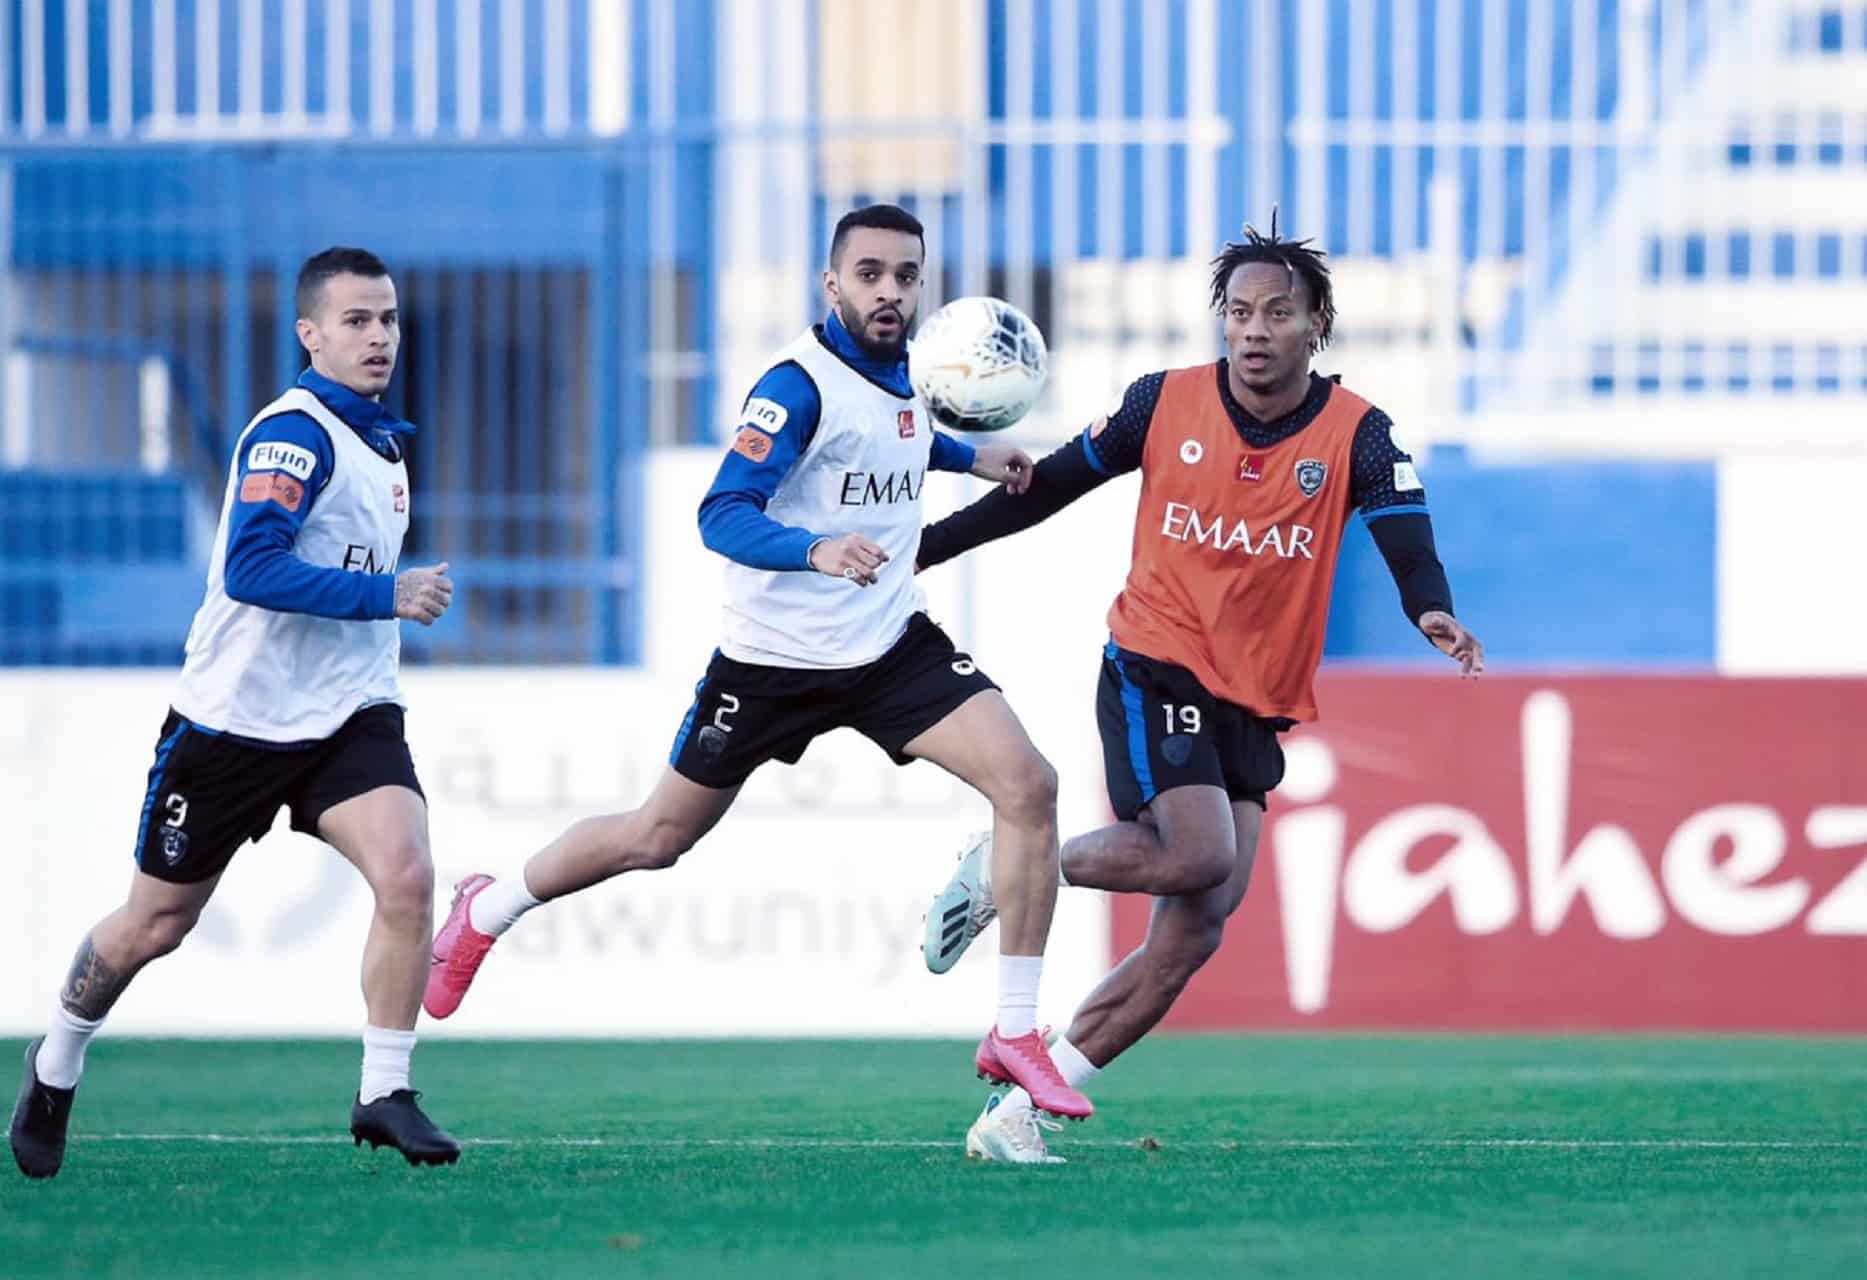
x: 1250, y: 470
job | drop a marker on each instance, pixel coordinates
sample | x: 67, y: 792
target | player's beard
x: 859, y: 330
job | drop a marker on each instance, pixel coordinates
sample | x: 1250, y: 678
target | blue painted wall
x: 1568, y: 562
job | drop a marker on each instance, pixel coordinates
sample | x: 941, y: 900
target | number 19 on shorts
x: 1181, y: 717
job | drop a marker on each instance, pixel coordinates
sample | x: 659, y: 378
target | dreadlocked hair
x: 1294, y: 256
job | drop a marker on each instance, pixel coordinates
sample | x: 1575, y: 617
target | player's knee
x: 657, y: 845
x: 160, y: 932
x: 405, y: 887
x: 1206, y: 869
x: 1027, y: 793
x: 1187, y: 949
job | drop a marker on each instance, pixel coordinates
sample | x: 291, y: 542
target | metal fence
x: 1552, y: 222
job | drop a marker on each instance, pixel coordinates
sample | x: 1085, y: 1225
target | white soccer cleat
x: 1011, y: 1136
x: 962, y: 910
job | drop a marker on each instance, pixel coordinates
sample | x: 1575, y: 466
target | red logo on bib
x: 905, y: 421
x: 1251, y: 467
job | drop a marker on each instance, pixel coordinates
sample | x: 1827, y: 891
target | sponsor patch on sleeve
x: 271, y: 486
x: 767, y: 415
x: 1405, y: 477
x: 752, y: 443
x: 277, y: 455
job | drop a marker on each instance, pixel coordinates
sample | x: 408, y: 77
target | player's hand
x: 422, y: 595
x: 851, y: 556
x: 1003, y: 464
x: 1453, y: 640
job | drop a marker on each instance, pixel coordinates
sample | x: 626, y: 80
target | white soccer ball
x: 979, y: 363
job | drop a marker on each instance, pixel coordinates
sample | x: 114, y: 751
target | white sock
x: 61, y: 1057
x: 385, y: 1062
x: 499, y: 905
x: 1076, y: 1070
x: 1017, y: 994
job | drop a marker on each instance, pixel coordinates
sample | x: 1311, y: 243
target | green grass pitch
x: 1232, y: 1155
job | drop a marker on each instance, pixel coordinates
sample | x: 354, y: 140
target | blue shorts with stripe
x: 209, y: 792
x: 745, y: 714
x: 1161, y: 729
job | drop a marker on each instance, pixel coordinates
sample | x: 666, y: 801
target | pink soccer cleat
x: 457, y: 952
x: 1025, y: 1061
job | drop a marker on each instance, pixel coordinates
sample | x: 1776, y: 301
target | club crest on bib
x: 1311, y: 472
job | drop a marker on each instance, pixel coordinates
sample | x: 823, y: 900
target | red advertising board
x: 1589, y: 852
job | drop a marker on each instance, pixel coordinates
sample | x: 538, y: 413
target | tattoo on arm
x: 92, y: 986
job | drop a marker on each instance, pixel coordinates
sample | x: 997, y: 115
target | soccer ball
x: 979, y: 364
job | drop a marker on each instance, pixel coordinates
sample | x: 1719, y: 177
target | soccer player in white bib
x: 817, y: 509
x: 288, y: 697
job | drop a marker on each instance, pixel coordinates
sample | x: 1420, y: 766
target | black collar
x: 1261, y: 435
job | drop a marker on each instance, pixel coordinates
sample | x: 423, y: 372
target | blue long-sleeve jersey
x: 268, y: 512
x: 785, y: 408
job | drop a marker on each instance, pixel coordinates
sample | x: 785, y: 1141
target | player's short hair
x: 884, y: 217
x: 1294, y: 256
x: 336, y: 261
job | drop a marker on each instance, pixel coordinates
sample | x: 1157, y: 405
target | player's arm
x: 775, y: 427
x: 1392, y: 500
x: 285, y: 463
x: 1001, y: 463
x: 1111, y: 447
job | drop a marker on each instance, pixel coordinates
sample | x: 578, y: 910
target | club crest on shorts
x: 1311, y: 472
x: 174, y: 845
x: 1177, y: 749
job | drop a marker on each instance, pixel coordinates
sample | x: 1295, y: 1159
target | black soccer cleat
x: 396, y: 1121
x: 40, y: 1118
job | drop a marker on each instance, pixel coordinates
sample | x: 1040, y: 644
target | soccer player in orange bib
x: 1250, y: 470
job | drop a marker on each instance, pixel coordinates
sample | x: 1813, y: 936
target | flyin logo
x: 904, y: 422
x: 275, y: 455
x: 1183, y: 523
x: 1251, y: 467
x: 767, y: 415
x: 867, y: 489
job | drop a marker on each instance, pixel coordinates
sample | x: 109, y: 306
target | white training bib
x: 863, y: 472
x: 292, y: 677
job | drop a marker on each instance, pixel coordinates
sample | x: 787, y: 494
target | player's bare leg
x: 150, y: 924
x: 983, y: 744
x: 1183, y: 933
x: 677, y: 813
x: 384, y: 834
x: 1183, y: 843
